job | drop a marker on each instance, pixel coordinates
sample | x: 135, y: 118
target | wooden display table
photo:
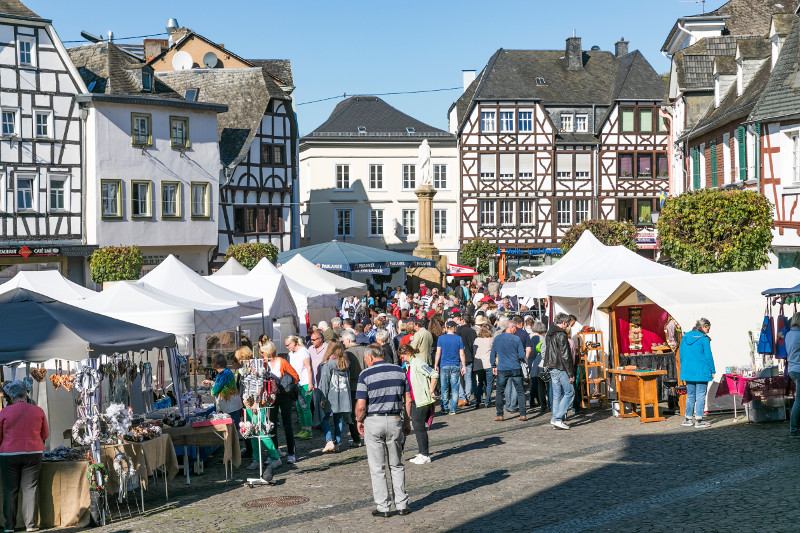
x: 224, y: 435
x: 638, y: 387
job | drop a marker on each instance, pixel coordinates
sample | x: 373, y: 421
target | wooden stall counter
x: 638, y: 387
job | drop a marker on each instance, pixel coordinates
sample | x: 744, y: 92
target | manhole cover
x: 275, y: 501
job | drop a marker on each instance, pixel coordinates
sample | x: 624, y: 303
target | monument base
x: 432, y: 276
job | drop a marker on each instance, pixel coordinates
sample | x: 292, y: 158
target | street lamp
x: 304, y: 216
x: 654, y: 216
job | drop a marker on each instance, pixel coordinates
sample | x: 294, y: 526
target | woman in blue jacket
x: 697, y: 369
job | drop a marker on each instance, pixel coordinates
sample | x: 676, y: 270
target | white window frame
x: 726, y: 158
x: 34, y: 179
x: 440, y: 222
x: 488, y: 123
x: 17, y: 129
x: 376, y: 223
x: 341, y: 177
x: 487, y: 175
x: 349, y: 229
x: 505, y: 213
x: 376, y: 177
x: 48, y: 113
x: 794, y: 138
x: 440, y: 178
x: 136, y: 188
x: 702, y: 154
x: 567, y: 122
x: 583, y: 210
x: 487, y: 213
x: 3, y: 192
x: 409, y: 177
x: 206, y: 201
x: 564, y: 212
x: 528, y: 121
x: 506, y: 122
x: 32, y: 41
x: 527, y: 217
x: 409, y: 218
x: 117, y: 184
x: 563, y: 174
x: 581, y: 128
x: 65, y: 191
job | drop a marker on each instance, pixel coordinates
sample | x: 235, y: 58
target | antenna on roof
x: 573, y: 32
x: 90, y: 37
x: 702, y: 2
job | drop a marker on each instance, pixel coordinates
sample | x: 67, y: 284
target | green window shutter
x: 714, y: 163
x: 757, y: 154
x: 741, y: 136
x: 696, y: 169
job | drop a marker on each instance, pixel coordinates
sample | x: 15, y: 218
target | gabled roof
x: 17, y: 9
x: 781, y: 97
x: 753, y: 48
x: 732, y: 107
x: 113, y: 70
x: 187, y: 36
x: 378, y: 119
x: 783, y: 23
x: 246, y: 92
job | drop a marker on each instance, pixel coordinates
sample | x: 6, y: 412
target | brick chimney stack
x: 574, y: 53
x: 621, y: 47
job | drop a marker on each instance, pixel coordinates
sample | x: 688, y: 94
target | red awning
x: 460, y: 270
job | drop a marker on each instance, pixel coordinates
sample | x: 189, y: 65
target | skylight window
x: 362, y: 129
x: 410, y: 129
x: 539, y: 81
x: 191, y: 95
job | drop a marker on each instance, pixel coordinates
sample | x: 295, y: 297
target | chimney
x: 621, y: 47
x: 468, y: 76
x: 153, y: 47
x: 574, y: 53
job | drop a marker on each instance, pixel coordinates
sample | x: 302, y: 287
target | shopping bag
x: 780, y: 337
x: 766, y: 344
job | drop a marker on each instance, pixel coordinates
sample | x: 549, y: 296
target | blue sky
x: 370, y: 47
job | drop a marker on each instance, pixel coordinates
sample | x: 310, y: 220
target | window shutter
x: 757, y: 154
x: 488, y: 164
x: 741, y: 138
x: 526, y: 163
x: 564, y: 163
x: 713, y: 163
x: 696, y: 169
x: 583, y: 163
x: 507, y: 165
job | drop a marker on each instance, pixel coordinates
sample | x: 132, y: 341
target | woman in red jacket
x: 23, y: 430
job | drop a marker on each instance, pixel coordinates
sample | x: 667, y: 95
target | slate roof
x: 754, y: 48
x: 732, y: 107
x: 280, y: 69
x: 379, y: 118
x: 17, y: 9
x: 781, y: 97
x: 246, y: 92
x: 604, y: 78
x: 694, y: 64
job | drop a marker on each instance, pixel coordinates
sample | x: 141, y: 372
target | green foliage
x: 116, y: 263
x: 478, y: 250
x: 250, y: 253
x: 382, y: 280
x: 609, y: 232
x: 714, y: 230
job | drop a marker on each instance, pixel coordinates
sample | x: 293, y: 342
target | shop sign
x: 647, y: 239
x: 529, y: 251
x: 26, y: 251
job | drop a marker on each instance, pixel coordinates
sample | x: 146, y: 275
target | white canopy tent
x: 731, y: 301
x: 306, y: 273
x: 49, y: 283
x: 232, y: 267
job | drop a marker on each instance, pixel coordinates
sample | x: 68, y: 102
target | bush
x: 250, y: 253
x: 478, y: 250
x: 609, y: 232
x: 714, y: 230
x: 116, y: 263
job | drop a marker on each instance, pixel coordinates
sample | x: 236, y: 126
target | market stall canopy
x: 48, y: 283
x: 173, y: 277
x: 139, y: 303
x: 731, y: 301
x: 36, y: 328
x: 305, y: 272
x: 349, y: 257
x: 460, y: 270
x: 271, y: 288
x: 232, y: 267
x: 304, y: 296
x: 787, y: 291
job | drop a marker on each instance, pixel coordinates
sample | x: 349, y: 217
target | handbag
x: 766, y: 344
x: 544, y: 374
x: 780, y: 338
x: 526, y: 372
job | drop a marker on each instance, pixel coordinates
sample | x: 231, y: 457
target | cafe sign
x: 26, y: 251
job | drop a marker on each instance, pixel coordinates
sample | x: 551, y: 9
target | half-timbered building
x: 258, y: 135
x: 549, y: 138
x: 40, y: 148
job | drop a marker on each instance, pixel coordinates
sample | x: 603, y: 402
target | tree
x: 116, y: 263
x: 250, y: 253
x: 478, y: 250
x: 609, y: 232
x: 382, y: 280
x: 714, y: 230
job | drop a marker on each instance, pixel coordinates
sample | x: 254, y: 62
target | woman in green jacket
x: 422, y: 382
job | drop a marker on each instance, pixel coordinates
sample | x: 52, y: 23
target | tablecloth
x: 147, y: 456
x: 755, y: 388
x: 63, y: 499
x: 209, y: 436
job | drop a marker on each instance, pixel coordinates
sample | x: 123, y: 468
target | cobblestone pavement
x: 604, y: 474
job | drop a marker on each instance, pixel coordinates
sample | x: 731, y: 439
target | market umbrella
x: 36, y: 328
x: 305, y: 272
x: 349, y: 257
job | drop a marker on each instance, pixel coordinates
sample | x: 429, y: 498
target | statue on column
x: 424, y: 171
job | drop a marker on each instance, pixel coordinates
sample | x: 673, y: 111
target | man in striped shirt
x: 382, y: 396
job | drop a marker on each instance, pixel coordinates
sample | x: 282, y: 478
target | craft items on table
x: 63, y: 453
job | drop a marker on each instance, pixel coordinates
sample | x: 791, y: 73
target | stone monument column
x: 425, y: 247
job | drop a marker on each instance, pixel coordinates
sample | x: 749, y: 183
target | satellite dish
x: 210, y: 60
x: 182, y: 61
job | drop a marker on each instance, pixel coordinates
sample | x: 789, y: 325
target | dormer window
x: 191, y: 95
x: 540, y: 81
x: 362, y: 129
x: 739, y: 77
x: 147, y: 82
x: 410, y: 129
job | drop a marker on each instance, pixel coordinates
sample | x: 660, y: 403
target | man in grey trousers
x: 382, y: 398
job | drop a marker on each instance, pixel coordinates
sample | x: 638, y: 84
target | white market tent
x: 49, y: 283
x: 307, y: 273
x: 731, y: 301
x: 304, y: 296
x: 139, y: 303
x: 175, y: 278
x: 232, y: 267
